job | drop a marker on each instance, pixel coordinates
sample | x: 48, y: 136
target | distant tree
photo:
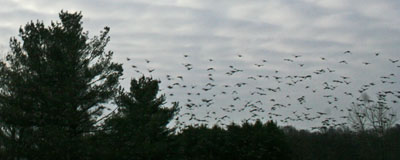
x: 392, y: 143
x: 372, y: 119
x: 246, y: 141
x: 257, y: 141
x: 139, y: 129
x: 52, y: 88
x: 201, y: 142
x: 344, y: 144
x: 370, y: 115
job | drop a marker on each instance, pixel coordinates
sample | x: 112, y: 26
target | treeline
x: 342, y: 143
x: 247, y: 141
x: 55, y: 83
x: 267, y: 141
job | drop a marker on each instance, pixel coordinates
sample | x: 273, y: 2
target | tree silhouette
x: 52, y: 87
x: 246, y: 141
x: 139, y: 129
x: 369, y: 115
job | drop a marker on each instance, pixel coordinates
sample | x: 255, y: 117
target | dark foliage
x: 52, y: 86
x: 248, y: 141
x: 138, y: 130
x: 344, y: 144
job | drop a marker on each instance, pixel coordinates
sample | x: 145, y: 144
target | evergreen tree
x: 139, y: 129
x: 53, y: 86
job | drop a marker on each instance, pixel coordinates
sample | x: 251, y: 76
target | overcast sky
x: 271, y: 43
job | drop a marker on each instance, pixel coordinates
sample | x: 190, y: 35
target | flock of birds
x: 293, y: 90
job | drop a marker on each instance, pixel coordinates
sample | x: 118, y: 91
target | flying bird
x: 393, y: 61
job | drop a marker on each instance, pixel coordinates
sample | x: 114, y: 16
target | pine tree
x: 53, y: 86
x: 139, y: 129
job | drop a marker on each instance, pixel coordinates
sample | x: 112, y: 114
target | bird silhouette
x: 263, y: 88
